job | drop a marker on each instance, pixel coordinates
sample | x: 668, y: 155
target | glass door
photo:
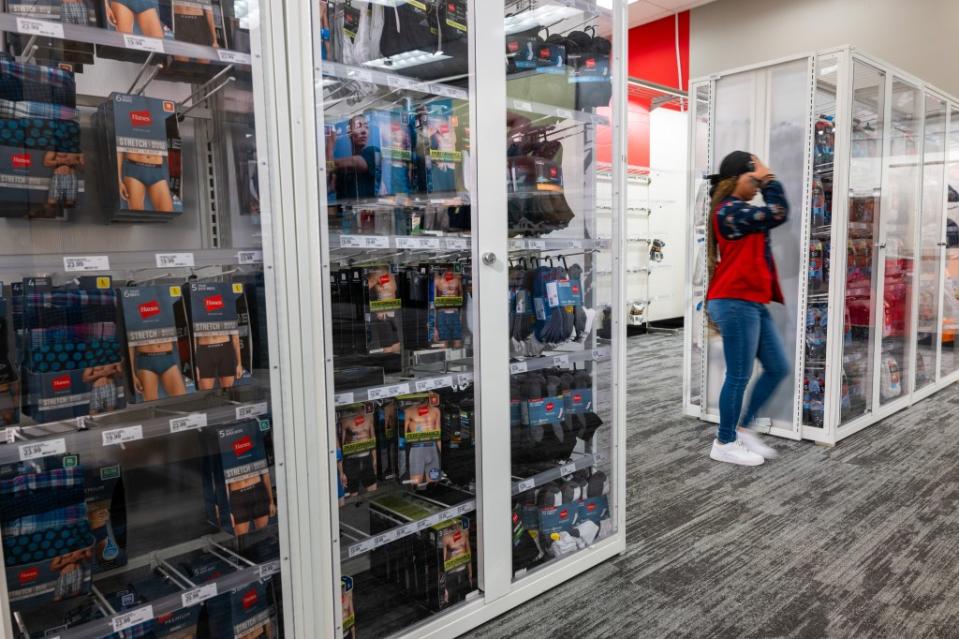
x: 138, y: 478
x: 865, y: 180
x: 931, y: 249
x: 392, y: 83
x: 561, y: 322
x: 950, y: 286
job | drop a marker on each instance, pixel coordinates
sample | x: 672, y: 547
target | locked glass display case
x: 873, y: 331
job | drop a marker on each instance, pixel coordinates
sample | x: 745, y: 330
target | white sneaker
x: 752, y: 442
x: 735, y: 453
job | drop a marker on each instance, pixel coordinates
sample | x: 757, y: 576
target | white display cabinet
x: 866, y: 153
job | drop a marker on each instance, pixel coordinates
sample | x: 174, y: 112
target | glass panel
x: 700, y: 213
x: 820, y: 243
x: 865, y: 180
x: 900, y: 212
x: 933, y: 196
x: 137, y: 482
x: 950, y: 290
x: 560, y: 137
x: 394, y: 85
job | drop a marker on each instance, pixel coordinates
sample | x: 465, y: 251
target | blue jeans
x: 748, y: 332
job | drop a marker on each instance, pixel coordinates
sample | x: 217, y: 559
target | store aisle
x: 857, y: 541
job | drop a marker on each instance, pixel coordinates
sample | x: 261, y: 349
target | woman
x: 742, y: 280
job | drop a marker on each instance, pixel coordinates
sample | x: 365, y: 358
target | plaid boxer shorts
x: 36, y: 83
x: 74, y: 13
x: 63, y: 188
x: 45, y: 110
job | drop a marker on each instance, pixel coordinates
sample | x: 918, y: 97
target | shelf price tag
x: 27, y: 26
x: 397, y: 82
x: 386, y: 538
x: 389, y: 391
x: 525, y: 485
x: 86, y: 263
x: 458, y: 243
x: 538, y: 245
x: 43, y: 449
x: 174, y: 260
x: 364, y: 241
x: 341, y: 399
x: 251, y: 410
x: 405, y: 531
x: 564, y: 113
x: 433, y: 383
x: 523, y: 105
x: 187, y: 422
x: 462, y: 509
x: 269, y: 569
x: 198, y: 595
x: 360, y: 75
x: 142, y: 43
x: 233, y: 57
x: 518, y: 367
x: 417, y: 242
x: 561, y: 360
x: 567, y: 469
x: 10, y: 435
x: 118, y: 436
x: 360, y: 548
x: 249, y: 257
x: 464, y: 378
x: 133, y: 618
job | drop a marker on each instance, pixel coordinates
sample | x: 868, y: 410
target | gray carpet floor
x: 861, y: 540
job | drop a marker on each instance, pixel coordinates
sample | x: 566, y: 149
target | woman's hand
x: 762, y: 172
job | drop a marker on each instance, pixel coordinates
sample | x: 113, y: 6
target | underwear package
x: 106, y: 512
x: 386, y: 439
x: 155, y: 317
x: 139, y: 140
x: 232, y: 613
x: 383, y: 310
x: 179, y: 623
x: 196, y: 22
x: 445, y: 319
x: 428, y: 26
x: 459, y: 450
x: 9, y: 378
x: 346, y: 601
x: 253, y: 340
x: 52, y: 50
x: 162, y: 9
x: 218, y: 309
x: 236, y: 454
x: 237, y: 26
x: 357, y: 441
x: 450, y: 580
x: 419, y: 420
x: 47, y: 541
x: 438, y: 163
x: 69, y: 349
x: 414, y: 284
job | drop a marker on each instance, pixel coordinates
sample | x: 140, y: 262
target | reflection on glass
x: 700, y: 216
x: 820, y: 244
x: 950, y: 290
x: 900, y: 211
x: 933, y: 180
x: 865, y: 178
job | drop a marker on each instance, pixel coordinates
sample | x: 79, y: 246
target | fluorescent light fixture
x: 406, y: 60
x: 608, y: 4
x: 541, y: 16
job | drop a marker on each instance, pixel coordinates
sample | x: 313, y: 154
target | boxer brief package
x: 350, y: 184
x: 106, y: 512
x: 438, y: 163
x: 235, y: 456
x: 390, y: 132
x: 346, y: 600
x: 212, y: 311
x: 356, y: 434
x: 383, y: 311
x: 196, y: 22
x: 47, y: 542
x: 149, y: 323
x: 459, y: 452
x: 419, y: 436
x: 254, y: 292
x: 72, y: 360
x: 446, y: 298
x: 179, y: 623
x: 247, y: 332
x: 451, y: 567
x: 386, y: 439
x: 72, y: 12
x: 237, y: 26
x: 414, y: 283
x: 139, y: 143
x: 9, y: 378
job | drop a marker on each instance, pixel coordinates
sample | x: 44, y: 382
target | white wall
x: 918, y: 36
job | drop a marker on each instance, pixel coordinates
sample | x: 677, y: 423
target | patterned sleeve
x: 738, y: 219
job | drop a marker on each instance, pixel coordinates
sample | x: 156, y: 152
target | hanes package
x: 221, y: 345
x: 420, y: 422
x: 357, y: 437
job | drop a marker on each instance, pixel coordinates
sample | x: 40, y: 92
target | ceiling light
x: 541, y: 16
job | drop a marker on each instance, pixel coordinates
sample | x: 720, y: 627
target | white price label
x: 233, y: 57
x: 187, y: 422
x: 360, y: 548
x: 526, y: 484
x: 405, y: 531
x: 417, y: 242
x: 10, y: 434
x: 564, y: 113
x: 27, y: 26
x: 386, y: 538
x: 361, y: 75
x: 523, y: 105
x: 43, y: 449
x: 118, y: 436
x: 198, y: 595
x: 132, y: 618
x: 518, y: 367
x: 432, y: 384
x: 364, y: 241
x: 251, y: 410
x: 389, y: 391
x: 465, y: 508
x: 269, y: 569
x: 536, y: 244
x: 86, y: 263
x: 80, y: 423
x: 174, y: 260
x: 341, y: 399
x: 397, y: 82
x: 457, y: 243
x: 142, y: 43
x: 249, y: 257
x: 561, y: 360
x: 464, y: 378
x: 567, y: 469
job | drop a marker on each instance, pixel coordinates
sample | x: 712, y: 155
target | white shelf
x: 393, y: 81
x: 556, y: 244
x: 387, y: 391
x: 539, y: 108
x: 13, y: 266
x: 560, y: 361
x: 389, y: 536
x: 562, y: 470
x: 399, y: 242
x: 95, y: 35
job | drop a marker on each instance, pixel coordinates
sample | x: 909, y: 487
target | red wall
x: 652, y: 57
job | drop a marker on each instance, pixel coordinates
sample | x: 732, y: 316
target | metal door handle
x: 489, y: 259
